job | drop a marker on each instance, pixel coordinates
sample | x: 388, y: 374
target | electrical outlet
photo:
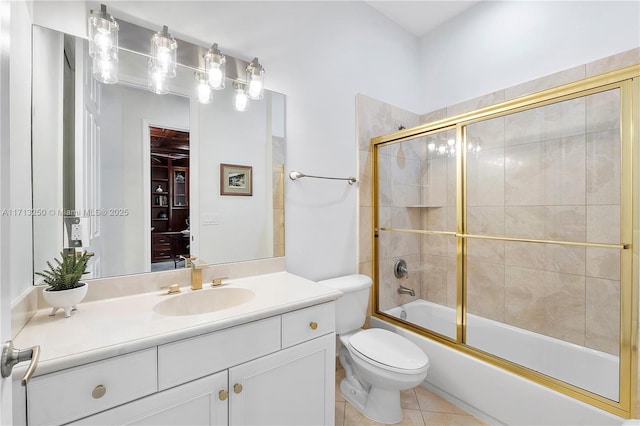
x: 76, y: 233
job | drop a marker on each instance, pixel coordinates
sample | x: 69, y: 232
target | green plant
x: 67, y: 273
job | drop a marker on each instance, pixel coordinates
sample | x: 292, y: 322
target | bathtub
x: 582, y: 367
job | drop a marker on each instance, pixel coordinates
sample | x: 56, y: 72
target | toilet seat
x: 389, y: 351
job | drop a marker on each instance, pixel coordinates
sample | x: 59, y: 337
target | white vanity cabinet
x: 274, y: 371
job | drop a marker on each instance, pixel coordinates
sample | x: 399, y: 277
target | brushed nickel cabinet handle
x: 313, y: 325
x: 237, y: 388
x: 99, y: 391
x: 223, y: 395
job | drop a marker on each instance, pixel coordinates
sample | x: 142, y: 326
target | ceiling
x: 420, y: 17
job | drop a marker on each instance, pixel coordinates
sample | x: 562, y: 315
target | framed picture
x: 236, y: 179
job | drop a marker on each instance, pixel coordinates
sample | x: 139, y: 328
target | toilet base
x: 380, y: 405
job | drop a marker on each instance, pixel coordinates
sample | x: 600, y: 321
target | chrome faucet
x: 404, y: 290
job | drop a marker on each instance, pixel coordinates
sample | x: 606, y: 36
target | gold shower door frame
x: 627, y: 80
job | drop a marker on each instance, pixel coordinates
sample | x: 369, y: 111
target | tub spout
x: 404, y: 290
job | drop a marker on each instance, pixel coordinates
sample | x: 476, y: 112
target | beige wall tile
x: 374, y: 119
x: 566, y: 223
x: 603, y: 224
x: 485, y: 289
x: 564, y: 169
x: 603, y: 263
x: 603, y: 167
x: 564, y: 119
x: 613, y: 62
x: 476, y: 103
x: 547, y: 82
x: 603, y: 315
x: 603, y: 111
x: 524, y: 182
x: 486, y: 178
x: 566, y: 259
x: 434, y: 283
x: 525, y: 222
x: 546, y: 302
x: 525, y: 255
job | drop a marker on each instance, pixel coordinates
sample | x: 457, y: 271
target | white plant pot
x: 65, y: 299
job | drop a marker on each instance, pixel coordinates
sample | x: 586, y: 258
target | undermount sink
x: 204, y: 301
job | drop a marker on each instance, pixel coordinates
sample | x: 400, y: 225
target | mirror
x: 135, y: 177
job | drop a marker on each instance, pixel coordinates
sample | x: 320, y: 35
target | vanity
x: 263, y: 353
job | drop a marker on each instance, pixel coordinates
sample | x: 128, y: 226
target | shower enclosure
x: 517, y: 225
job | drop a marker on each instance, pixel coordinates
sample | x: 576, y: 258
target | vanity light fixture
x: 240, y: 99
x: 214, y: 63
x: 163, y: 53
x: 103, y: 45
x: 255, y: 80
x: 203, y: 90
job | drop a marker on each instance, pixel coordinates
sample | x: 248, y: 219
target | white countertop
x: 111, y: 327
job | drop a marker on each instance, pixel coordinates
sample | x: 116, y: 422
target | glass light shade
x: 203, y: 91
x: 214, y: 62
x: 240, y: 100
x: 103, y: 35
x: 255, y: 80
x: 157, y: 81
x: 163, y: 53
x: 105, y: 70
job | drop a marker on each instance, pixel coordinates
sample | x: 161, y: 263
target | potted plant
x: 65, y: 288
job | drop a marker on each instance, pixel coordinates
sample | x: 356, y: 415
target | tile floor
x: 420, y: 408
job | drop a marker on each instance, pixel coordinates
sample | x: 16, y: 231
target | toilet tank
x: 351, y: 309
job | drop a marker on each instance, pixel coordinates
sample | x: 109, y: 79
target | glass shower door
x: 416, y: 225
x: 544, y: 240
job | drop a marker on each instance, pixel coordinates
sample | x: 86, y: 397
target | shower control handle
x: 400, y: 269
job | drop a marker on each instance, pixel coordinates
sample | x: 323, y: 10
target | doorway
x: 169, y: 168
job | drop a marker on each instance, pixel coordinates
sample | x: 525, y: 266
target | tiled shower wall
x: 500, y: 275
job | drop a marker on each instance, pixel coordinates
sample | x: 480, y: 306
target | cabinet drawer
x: 161, y: 246
x: 161, y: 239
x: 309, y: 323
x: 189, y: 359
x: 75, y: 393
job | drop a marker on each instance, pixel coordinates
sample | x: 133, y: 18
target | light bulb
x: 255, y: 80
x: 103, y: 41
x: 157, y: 81
x: 215, y: 78
x: 442, y: 149
x: 451, y: 142
x: 240, y: 100
x: 105, y: 70
x: 431, y: 146
x: 214, y: 63
x: 203, y: 90
x: 255, y: 87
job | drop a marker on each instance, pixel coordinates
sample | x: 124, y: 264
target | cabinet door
x: 201, y: 402
x: 292, y: 387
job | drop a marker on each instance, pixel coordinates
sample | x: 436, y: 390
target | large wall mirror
x: 135, y: 177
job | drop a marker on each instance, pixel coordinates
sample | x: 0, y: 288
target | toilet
x: 378, y: 363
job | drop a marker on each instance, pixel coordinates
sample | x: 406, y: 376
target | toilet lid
x: 389, y: 349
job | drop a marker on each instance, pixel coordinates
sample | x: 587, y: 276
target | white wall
x: 495, y: 45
